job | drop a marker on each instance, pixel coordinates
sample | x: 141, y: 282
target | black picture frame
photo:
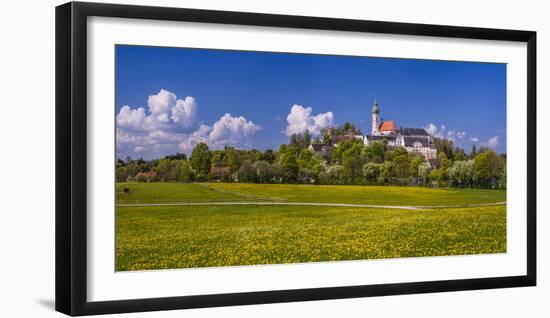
x: 71, y: 157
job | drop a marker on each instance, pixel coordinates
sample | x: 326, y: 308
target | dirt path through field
x: 400, y: 207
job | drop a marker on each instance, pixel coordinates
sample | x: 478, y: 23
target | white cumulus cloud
x: 441, y: 132
x: 227, y: 131
x: 169, y: 125
x: 166, y: 111
x: 453, y: 135
x: 189, y: 141
x: 184, y: 112
x: 493, y: 142
x: 161, y: 102
x: 435, y: 131
x: 130, y: 118
x: 300, y: 119
x: 139, y: 149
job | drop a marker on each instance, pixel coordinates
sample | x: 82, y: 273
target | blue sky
x: 168, y: 99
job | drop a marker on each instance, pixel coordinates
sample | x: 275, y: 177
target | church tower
x: 375, y: 120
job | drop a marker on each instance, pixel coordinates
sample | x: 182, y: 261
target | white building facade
x: 415, y: 140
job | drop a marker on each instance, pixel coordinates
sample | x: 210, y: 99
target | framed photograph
x: 208, y: 158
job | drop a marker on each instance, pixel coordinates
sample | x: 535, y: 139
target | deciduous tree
x: 201, y: 161
x: 371, y: 171
x: 489, y: 167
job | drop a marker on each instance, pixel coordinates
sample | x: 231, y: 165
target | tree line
x: 350, y: 162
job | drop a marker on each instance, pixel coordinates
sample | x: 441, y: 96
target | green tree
x: 399, y: 151
x: 489, y: 167
x: 371, y: 171
x: 307, y: 139
x: 294, y: 141
x: 175, y: 172
x: 122, y: 174
x: 416, y: 161
x: 305, y: 175
x: 218, y: 158
x: 352, y: 162
x: 444, y: 146
x: 347, y: 126
x: 424, y: 171
x: 385, y: 143
x: 247, y: 173
x: 187, y: 172
x: 345, y: 145
x: 327, y: 139
x: 276, y: 173
x: 482, y: 150
x: 168, y: 170
x: 133, y: 168
x: 435, y: 175
x: 444, y: 165
x: 402, y: 166
x: 201, y: 161
x: 304, y: 158
x: 300, y: 141
x: 386, y: 170
x: 263, y: 171
x: 232, y: 159
x: 316, y: 167
x: 336, y: 174
x: 269, y: 156
x: 177, y: 156
x: 253, y: 155
x: 289, y: 166
x: 462, y: 172
x: 459, y: 154
x: 373, y: 152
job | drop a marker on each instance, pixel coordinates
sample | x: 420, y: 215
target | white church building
x: 415, y: 140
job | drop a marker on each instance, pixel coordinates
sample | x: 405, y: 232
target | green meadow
x: 354, y: 194
x: 205, y: 235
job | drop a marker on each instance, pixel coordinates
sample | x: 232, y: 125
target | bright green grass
x: 206, y: 235
x: 169, y: 192
x: 201, y: 236
x: 377, y: 195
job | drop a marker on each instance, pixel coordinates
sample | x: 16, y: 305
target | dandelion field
x: 355, y: 194
x: 162, y: 237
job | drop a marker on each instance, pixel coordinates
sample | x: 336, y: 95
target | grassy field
x: 159, y: 237
x: 377, y: 195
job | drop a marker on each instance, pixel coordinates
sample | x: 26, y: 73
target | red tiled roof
x: 149, y: 174
x: 388, y: 126
x: 219, y: 171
